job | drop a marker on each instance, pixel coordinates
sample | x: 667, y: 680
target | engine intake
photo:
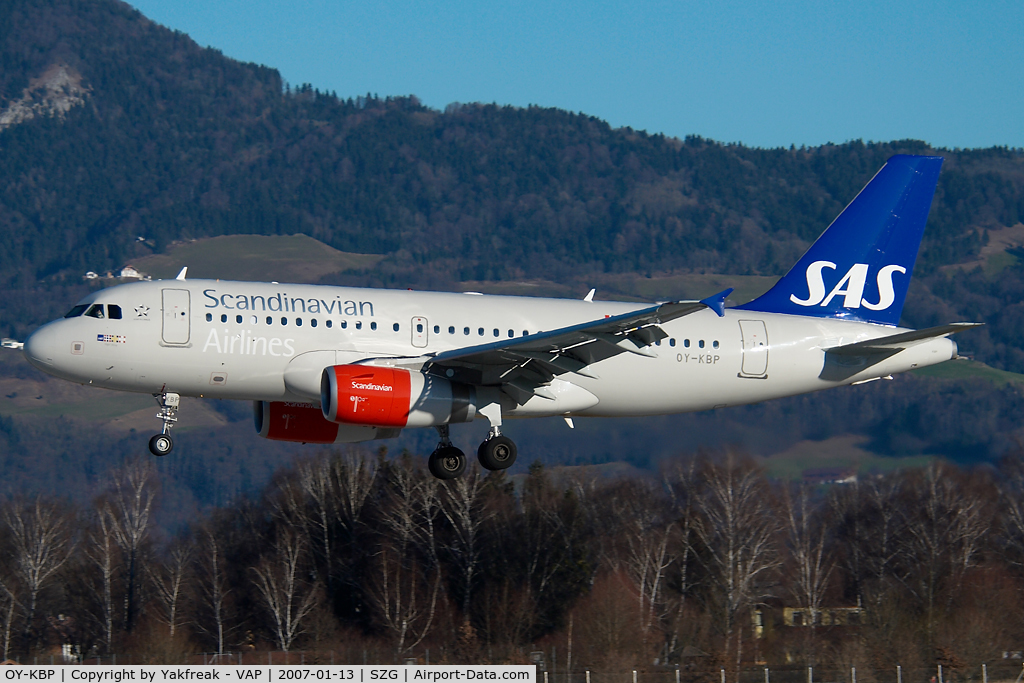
x: 393, y: 397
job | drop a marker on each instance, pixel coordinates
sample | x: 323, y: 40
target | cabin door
x: 755, y: 349
x: 175, y: 316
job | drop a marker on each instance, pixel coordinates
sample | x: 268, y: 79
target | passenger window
x: 95, y: 311
x: 270, y: 320
x: 344, y: 324
x: 329, y: 324
x: 223, y: 317
x: 359, y: 324
x: 451, y: 329
x: 395, y: 327
x: 511, y: 334
x: 113, y: 311
x: 465, y: 330
x: 209, y: 317
x: 312, y: 322
x: 715, y: 344
x: 496, y: 333
x: 672, y: 342
x: 686, y: 343
x: 701, y: 343
x: 77, y: 311
x: 419, y: 327
x: 373, y: 326
x: 253, y: 320
x: 437, y: 329
x: 525, y: 333
x: 480, y: 332
x: 298, y: 322
x: 238, y: 319
x: 284, y: 321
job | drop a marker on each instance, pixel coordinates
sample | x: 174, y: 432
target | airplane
x: 327, y: 364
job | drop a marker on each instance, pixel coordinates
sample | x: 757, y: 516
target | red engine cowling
x: 393, y: 397
x: 305, y: 423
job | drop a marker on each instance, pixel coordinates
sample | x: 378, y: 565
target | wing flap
x: 523, y: 366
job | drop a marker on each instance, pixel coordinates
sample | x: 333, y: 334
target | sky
x: 766, y: 74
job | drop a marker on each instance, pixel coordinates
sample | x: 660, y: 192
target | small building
x: 130, y: 272
x: 826, y: 616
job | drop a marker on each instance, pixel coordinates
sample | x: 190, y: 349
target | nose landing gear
x: 162, y: 443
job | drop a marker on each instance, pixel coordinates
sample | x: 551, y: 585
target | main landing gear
x: 447, y: 461
x: 162, y: 443
x: 497, y: 452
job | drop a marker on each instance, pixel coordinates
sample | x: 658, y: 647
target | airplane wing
x: 523, y: 365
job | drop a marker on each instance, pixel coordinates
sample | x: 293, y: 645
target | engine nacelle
x: 393, y: 397
x: 305, y: 423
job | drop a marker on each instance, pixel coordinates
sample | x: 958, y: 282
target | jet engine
x: 393, y: 397
x: 305, y: 423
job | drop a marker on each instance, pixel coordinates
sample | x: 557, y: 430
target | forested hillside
x: 172, y: 141
x: 114, y: 128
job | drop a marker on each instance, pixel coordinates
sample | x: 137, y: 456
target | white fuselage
x: 266, y: 341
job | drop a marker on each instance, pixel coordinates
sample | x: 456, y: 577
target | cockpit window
x: 95, y: 311
x: 77, y: 311
x: 113, y: 311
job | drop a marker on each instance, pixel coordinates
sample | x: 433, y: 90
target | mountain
x: 122, y: 141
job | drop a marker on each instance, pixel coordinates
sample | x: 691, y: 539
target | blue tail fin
x: 860, y: 267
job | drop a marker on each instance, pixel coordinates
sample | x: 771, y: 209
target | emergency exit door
x: 419, y: 332
x: 175, y: 316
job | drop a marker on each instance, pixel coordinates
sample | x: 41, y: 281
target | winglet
x: 717, y: 302
x: 181, y: 275
x: 589, y: 298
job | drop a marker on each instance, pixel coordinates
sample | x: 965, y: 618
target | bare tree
x: 682, y: 486
x: 100, y: 551
x: 647, y: 529
x: 286, y: 597
x: 8, y: 605
x: 213, y: 587
x: 408, y: 577
x: 944, y: 526
x: 41, y: 544
x: 465, y: 512
x: 169, y: 580
x: 127, y: 510
x: 813, y: 562
x: 736, y: 530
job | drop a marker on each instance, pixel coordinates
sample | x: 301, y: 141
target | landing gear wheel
x: 161, y: 444
x: 447, y: 462
x: 497, y: 453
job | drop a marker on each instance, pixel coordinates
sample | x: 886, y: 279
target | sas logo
x: 851, y: 287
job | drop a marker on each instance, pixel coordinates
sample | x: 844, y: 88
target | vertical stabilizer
x: 860, y: 267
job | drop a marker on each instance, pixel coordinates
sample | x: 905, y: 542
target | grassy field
x: 293, y: 258
x: 969, y: 369
x: 845, y: 452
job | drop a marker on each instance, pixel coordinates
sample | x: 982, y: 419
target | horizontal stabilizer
x: 896, y: 342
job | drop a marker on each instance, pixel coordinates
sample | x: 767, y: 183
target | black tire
x: 447, y: 462
x: 161, y: 444
x: 497, y: 453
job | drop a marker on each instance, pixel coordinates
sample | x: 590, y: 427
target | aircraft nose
x: 41, y: 348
